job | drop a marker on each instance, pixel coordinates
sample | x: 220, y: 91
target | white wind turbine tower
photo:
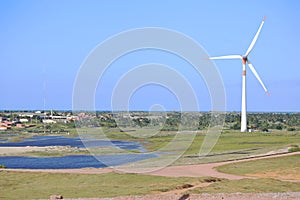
x: 246, y: 60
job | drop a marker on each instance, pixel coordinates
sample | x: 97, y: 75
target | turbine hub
x: 244, y: 60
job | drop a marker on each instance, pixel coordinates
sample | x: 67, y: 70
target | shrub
x: 291, y: 129
x: 294, y: 148
x: 2, y: 166
x: 279, y: 127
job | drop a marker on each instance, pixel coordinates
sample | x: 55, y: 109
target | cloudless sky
x: 44, y: 42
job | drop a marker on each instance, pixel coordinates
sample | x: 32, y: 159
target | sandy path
x: 11, y: 151
x: 68, y: 171
x: 209, y: 169
x: 16, y: 150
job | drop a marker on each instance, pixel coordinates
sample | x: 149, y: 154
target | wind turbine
x: 245, y: 60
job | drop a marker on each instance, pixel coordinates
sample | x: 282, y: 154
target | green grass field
x: 248, y: 186
x: 235, y: 145
x: 287, y: 167
x: 228, y: 141
x: 231, y: 144
x: 25, y: 185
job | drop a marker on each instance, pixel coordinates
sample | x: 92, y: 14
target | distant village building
x: 72, y: 118
x: 23, y: 120
x: 20, y: 125
x: 5, y: 125
x: 49, y: 121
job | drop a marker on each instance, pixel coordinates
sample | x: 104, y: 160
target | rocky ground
x: 235, y: 196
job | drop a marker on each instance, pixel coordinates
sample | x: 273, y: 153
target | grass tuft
x: 294, y: 148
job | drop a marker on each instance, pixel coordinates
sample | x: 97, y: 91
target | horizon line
x: 204, y: 111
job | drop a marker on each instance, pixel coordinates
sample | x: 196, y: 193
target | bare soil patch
x: 235, y: 196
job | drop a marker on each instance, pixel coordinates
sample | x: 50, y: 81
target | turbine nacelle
x: 244, y: 59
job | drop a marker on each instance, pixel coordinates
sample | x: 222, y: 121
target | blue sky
x: 47, y: 41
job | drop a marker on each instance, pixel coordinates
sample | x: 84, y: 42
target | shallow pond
x: 42, y: 141
x: 72, y: 161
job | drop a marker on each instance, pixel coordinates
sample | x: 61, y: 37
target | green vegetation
x: 166, y: 121
x: 231, y: 145
x: 200, y: 121
x: 231, y: 141
x: 294, y: 148
x: 2, y: 166
x: 26, y: 185
x: 279, y: 167
x: 54, y: 153
x: 265, y: 121
x: 248, y: 186
x: 228, y: 141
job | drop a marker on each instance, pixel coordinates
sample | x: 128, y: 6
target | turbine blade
x: 257, y: 76
x: 225, y: 57
x: 255, y: 37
